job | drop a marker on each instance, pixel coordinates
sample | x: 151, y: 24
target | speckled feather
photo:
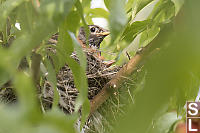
x: 95, y: 39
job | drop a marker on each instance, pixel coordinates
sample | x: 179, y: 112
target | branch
x: 127, y: 70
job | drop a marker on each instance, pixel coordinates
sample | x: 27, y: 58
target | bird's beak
x: 104, y: 33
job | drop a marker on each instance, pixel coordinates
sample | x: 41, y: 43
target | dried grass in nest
x: 97, y: 73
x: 105, y: 118
x: 7, y: 96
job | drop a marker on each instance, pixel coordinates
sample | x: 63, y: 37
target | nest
x: 97, y: 72
x: 98, y: 75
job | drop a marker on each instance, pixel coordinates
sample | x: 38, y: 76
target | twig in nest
x: 128, y: 55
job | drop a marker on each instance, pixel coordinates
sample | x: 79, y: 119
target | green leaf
x: 4, y: 76
x: 59, y: 121
x: 79, y: 51
x: 129, y: 5
x: 66, y: 45
x: 80, y: 10
x: 72, y: 22
x: 178, y: 4
x: 82, y: 81
x: 164, y: 123
x: 117, y: 18
x: 51, y: 77
x: 26, y: 42
x: 6, y: 8
x: 26, y: 16
x: 7, y: 67
x: 26, y: 92
x: 107, y: 4
x: 168, y: 72
x: 138, y: 5
x: 163, y: 12
x: 99, y: 12
x: 56, y: 10
x: 148, y: 35
x: 134, y: 29
x: 15, y: 120
x: 85, y: 111
x: 86, y: 3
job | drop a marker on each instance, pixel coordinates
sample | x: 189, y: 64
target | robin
x: 92, y: 44
x: 96, y: 36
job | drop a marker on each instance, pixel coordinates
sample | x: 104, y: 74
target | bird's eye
x: 92, y: 29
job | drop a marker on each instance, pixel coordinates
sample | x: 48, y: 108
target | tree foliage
x: 172, y: 68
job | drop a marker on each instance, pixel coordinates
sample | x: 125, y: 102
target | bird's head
x: 97, y: 34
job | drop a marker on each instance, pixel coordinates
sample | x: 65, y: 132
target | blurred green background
x: 153, y: 101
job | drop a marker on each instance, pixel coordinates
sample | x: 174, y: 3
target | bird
x: 96, y: 36
x: 92, y: 44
